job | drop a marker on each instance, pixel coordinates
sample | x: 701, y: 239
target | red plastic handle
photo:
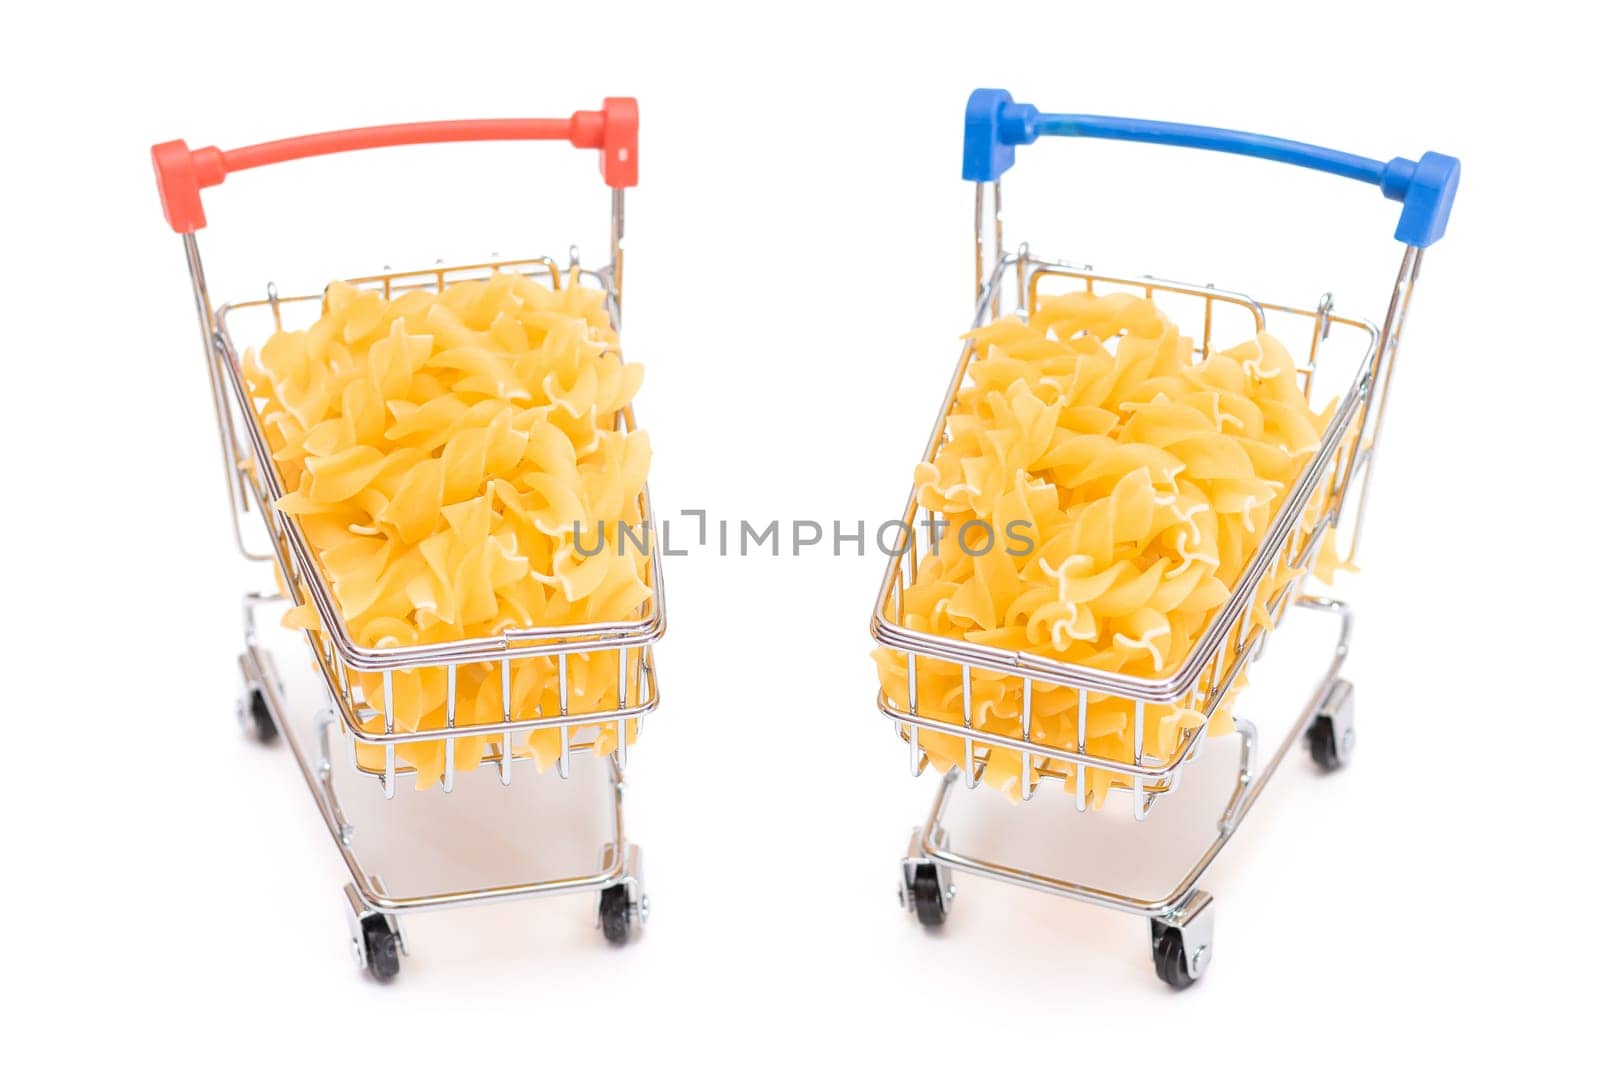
x: 182, y: 172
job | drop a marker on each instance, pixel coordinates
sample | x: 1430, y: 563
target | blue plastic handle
x: 996, y: 124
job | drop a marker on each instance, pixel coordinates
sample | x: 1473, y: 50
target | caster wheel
x: 928, y: 896
x: 1171, y: 965
x: 1180, y: 943
x: 383, y: 947
x: 1324, y: 744
x: 1332, y: 734
x: 616, y: 916
x: 255, y: 718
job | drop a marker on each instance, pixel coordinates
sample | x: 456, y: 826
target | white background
x: 799, y: 268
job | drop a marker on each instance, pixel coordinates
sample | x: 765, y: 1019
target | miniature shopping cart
x: 1343, y: 358
x: 340, y: 661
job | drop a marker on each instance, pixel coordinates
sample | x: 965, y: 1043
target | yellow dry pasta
x: 1145, y: 476
x: 442, y: 451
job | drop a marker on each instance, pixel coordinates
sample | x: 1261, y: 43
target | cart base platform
x: 1182, y: 920
x: 268, y: 707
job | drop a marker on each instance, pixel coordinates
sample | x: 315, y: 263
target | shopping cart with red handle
x: 1342, y: 359
x: 339, y: 659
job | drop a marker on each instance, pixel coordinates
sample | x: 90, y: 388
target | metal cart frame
x: 1335, y: 479
x: 373, y: 913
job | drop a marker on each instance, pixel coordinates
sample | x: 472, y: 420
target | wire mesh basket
x: 1342, y: 348
x: 356, y: 674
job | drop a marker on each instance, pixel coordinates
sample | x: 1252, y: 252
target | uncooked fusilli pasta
x: 1145, y: 479
x: 440, y: 451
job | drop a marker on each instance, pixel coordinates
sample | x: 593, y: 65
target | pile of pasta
x: 1144, y: 479
x: 441, y: 452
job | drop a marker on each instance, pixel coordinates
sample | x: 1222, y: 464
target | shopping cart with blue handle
x: 1346, y: 359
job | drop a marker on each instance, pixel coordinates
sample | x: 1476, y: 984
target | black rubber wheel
x: 383, y: 947
x: 258, y: 719
x: 1324, y: 751
x: 1171, y: 967
x: 615, y: 917
x: 927, y: 896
